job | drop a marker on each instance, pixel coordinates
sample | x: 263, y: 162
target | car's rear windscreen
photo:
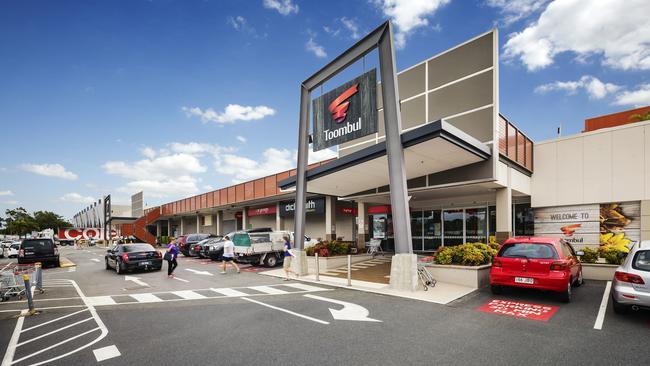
x: 37, y: 244
x: 642, y: 260
x: 528, y: 250
x: 130, y: 248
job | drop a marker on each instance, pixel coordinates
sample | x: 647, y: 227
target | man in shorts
x: 228, y: 255
x: 287, y: 259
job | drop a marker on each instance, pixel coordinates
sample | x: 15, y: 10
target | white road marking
x: 350, y: 311
x: 106, y: 353
x: 286, y: 311
x: 302, y: 286
x: 180, y: 279
x: 54, y: 331
x: 205, y: 273
x: 189, y: 295
x: 54, y: 320
x: 269, y: 290
x: 101, y: 300
x: 11, y: 348
x: 135, y: 280
x: 146, y: 298
x: 54, y: 346
x: 94, y: 260
x: 603, y: 307
x: 229, y: 292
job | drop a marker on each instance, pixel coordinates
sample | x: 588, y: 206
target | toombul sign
x: 347, y: 112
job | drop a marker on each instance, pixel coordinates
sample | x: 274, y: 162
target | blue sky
x: 181, y: 97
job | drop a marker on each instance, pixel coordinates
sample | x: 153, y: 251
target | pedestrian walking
x: 288, y: 255
x: 228, y: 255
x: 170, y: 257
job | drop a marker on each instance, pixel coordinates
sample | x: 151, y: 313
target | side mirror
x: 580, y: 253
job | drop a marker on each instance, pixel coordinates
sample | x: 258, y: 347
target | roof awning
x: 432, y: 148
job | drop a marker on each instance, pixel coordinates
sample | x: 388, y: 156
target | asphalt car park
x: 251, y: 319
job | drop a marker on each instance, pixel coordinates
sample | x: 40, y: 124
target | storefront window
x: 432, y: 230
x: 524, y: 220
x: 475, y: 225
x: 492, y: 221
x: 453, y: 227
x: 416, y: 229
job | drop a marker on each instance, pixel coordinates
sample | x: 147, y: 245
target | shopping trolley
x: 11, y: 281
x: 425, y: 277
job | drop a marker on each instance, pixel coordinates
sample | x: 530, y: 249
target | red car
x: 180, y: 242
x: 548, y: 264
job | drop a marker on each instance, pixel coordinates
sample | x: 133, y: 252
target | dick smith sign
x: 347, y: 112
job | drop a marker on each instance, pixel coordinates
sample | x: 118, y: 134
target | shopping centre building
x: 472, y: 174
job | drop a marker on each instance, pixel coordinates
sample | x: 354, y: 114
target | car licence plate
x: 146, y: 263
x: 526, y: 280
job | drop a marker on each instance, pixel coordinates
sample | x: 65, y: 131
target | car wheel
x: 619, y: 308
x: 496, y: 290
x: 566, y: 295
x: 271, y: 261
x: 579, y: 281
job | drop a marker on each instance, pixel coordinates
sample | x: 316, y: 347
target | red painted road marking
x: 519, y: 309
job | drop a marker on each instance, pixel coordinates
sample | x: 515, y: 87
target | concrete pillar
x: 504, y: 214
x: 169, y: 227
x: 244, y: 218
x: 198, y: 223
x: 182, y: 226
x: 213, y: 226
x: 362, y: 225
x: 279, y: 221
x: 219, y: 221
x: 330, y: 218
x: 158, y: 229
x: 645, y: 220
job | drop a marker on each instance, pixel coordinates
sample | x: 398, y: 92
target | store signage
x: 312, y: 205
x: 82, y: 233
x: 347, y: 112
x: 519, y: 309
x: 373, y: 210
x: 348, y: 210
x: 594, y: 224
x: 270, y: 210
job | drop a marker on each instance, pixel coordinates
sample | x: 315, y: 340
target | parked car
x: 259, y: 230
x: 180, y: 242
x: 199, y: 249
x: 210, y: 248
x: 540, y: 263
x: 129, y: 257
x: 38, y: 250
x: 190, y: 240
x: 12, y: 251
x: 631, y: 283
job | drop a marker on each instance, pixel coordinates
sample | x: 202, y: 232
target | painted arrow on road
x: 135, y: 280
x: 350, y: 311
x: 205, y: 273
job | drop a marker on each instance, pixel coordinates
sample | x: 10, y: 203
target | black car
x: 133, y: 256
x: 38, y: 250
x: 202, y: 248
x: 213, y: 249
x: 190, y: 241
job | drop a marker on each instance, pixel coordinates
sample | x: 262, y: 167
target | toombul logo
x: 339, y: 107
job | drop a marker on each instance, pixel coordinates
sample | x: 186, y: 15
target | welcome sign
x: 347, y: 112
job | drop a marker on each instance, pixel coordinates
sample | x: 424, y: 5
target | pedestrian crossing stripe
x: 200, y: 294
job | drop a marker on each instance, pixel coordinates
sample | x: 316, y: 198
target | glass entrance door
x: 453, y: 223
x: 475, y: 225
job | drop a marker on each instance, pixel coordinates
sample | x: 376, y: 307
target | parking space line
x: 269, y: 290
x: 286, y: 311
x: 189, y: 295
x: 100, y: 300
x: 11, y: 348
x: 228, y: 292
x: 54, y: 346
x: 54, y: 320
x: 603, y: 307
x: 105, y: 353
x: 146, y: 298
x: 302, y: 286
x: 180, y: 279
x: 54, y: 331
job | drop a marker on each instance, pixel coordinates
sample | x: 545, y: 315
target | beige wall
x: 314, y: 225
x: 262, y: 221
x: 344, y: 226
x: 609, y: 165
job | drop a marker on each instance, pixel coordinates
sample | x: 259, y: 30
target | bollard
x: 317, y: 267
x: 349, y: 270
x: 28, y: 294
x: 39, y: 277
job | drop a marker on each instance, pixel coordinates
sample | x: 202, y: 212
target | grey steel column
x: 394, y: 151
x: 301, y: 181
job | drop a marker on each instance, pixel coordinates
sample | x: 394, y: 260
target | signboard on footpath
x: 347, y: 112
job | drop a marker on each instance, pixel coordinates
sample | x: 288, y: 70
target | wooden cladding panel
x: 270, y: 186
x: 258, y: 185
x: 232, y: 197
x: 239, y: 192
x: 249, y: 191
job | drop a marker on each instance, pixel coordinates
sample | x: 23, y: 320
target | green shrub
x: 444, y: 255
x: 468, y: 254
x: 612, y: 254
x: 591, y: 255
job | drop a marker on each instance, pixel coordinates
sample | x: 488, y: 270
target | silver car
x: 631, y: 285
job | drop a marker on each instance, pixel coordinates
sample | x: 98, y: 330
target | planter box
x: 471, y: 276
x: 596, y: 271
x: 327, y: 263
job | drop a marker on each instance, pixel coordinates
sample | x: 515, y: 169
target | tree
x: 19, y: 222
x: 49, y: 220
x: 641, y: 117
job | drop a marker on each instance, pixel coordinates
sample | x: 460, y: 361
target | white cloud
x: 595, y: 88
x: 514, y: 10
x: 238, y: 22
x: 6, y: 193
x: 408, y: 15
x: 77, y: 198
x: 208, y: 187
x: 232, y: 113
x: 618, y: 31
x: 182, y: 185
x: 10, y: 202
x: 241, y: 139
x: 321, y: 155
x: 637, y: 98
x: 352, y: 26
x: 331, y: 31
x: 50, y: 170
x: 315, y: 48
x: 284, y: 7
x: 243, y: 168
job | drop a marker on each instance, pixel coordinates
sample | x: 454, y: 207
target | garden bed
x: 598, y: 271
x: 328, y: 263
x: 471, y: 276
